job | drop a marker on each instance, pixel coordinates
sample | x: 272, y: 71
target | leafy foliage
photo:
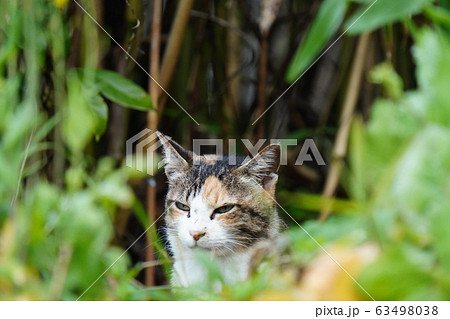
x: 329, y: 18
x: 119, y: 89
x: 57, y: 226
x: 372, y: 15
x: 382, y: 12
x: 408, y: 199
x: 55, y: 240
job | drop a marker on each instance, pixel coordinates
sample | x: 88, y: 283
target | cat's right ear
x: 177, y: 159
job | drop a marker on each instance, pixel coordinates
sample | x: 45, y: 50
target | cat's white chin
x: 187, y: 270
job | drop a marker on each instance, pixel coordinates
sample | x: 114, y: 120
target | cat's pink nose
x: 196, y: 234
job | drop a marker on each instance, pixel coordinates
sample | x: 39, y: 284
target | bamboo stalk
x: 340, y: 144
x: 152, y: 124
x: 233, y: 45
x: 269, y: 12
x: 155, y: 44
x: 172, y: 50
x: 262, y: 78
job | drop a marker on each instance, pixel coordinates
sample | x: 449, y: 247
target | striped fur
x: 230, y: 209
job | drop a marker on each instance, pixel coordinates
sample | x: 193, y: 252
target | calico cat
x: 221, y: 208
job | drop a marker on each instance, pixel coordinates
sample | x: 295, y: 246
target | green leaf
x: 336, y: 229
x: 122, y: 91
x: 400, y: 274
x: 391, y: 127
x: 385, y: 75
x: 423, y: 172
x: 327, y: 22
x: 211, y: 268
x: 438, y: 15
x: 358, y: 183
x: 78, y: 123
x: 381, y: 13
x: 98, y: 107
x: 100, y: 110
x: 433, y: 74
x: 440, y: 224
x: 313, y: 202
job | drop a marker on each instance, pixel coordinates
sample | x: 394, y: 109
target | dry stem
x: 351, y: 98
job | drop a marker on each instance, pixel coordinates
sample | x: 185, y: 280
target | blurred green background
x: 376, y: 101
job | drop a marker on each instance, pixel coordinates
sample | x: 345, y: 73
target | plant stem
x: 262, y: 77
x: 172, y: 50
x: 340, y: 144
x: 152, y: 124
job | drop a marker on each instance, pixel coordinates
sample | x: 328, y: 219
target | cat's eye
x: 223, y: 209
x: 181, y: 206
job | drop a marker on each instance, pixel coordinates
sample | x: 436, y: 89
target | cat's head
x: 220, y: 206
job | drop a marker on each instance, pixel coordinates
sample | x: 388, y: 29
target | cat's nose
x: 196, y: 234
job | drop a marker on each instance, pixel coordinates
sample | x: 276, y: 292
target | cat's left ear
x: 264, y: 166
x: 176, y: 158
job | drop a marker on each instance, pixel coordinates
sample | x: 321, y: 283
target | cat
x: 221, y: 208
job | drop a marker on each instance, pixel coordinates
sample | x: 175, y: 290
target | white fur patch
x: 187, y: 270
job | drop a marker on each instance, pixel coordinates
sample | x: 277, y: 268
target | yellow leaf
x: 324, y: 279
x: 60, y: 3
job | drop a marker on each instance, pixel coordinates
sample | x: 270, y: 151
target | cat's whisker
x: 230, y: 249
x: 234, y: 241
x: 244, y: 237
x: 201, y: 194
x: 238, y: 243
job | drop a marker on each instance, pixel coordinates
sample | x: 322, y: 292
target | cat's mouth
x: 202, y: 245
x: 206, y: 246
x: 215, y: 251
x: 218, y: 249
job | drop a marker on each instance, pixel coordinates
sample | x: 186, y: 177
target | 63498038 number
x: 407, y: 310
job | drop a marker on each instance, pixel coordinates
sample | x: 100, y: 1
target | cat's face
x: 217, y: 206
